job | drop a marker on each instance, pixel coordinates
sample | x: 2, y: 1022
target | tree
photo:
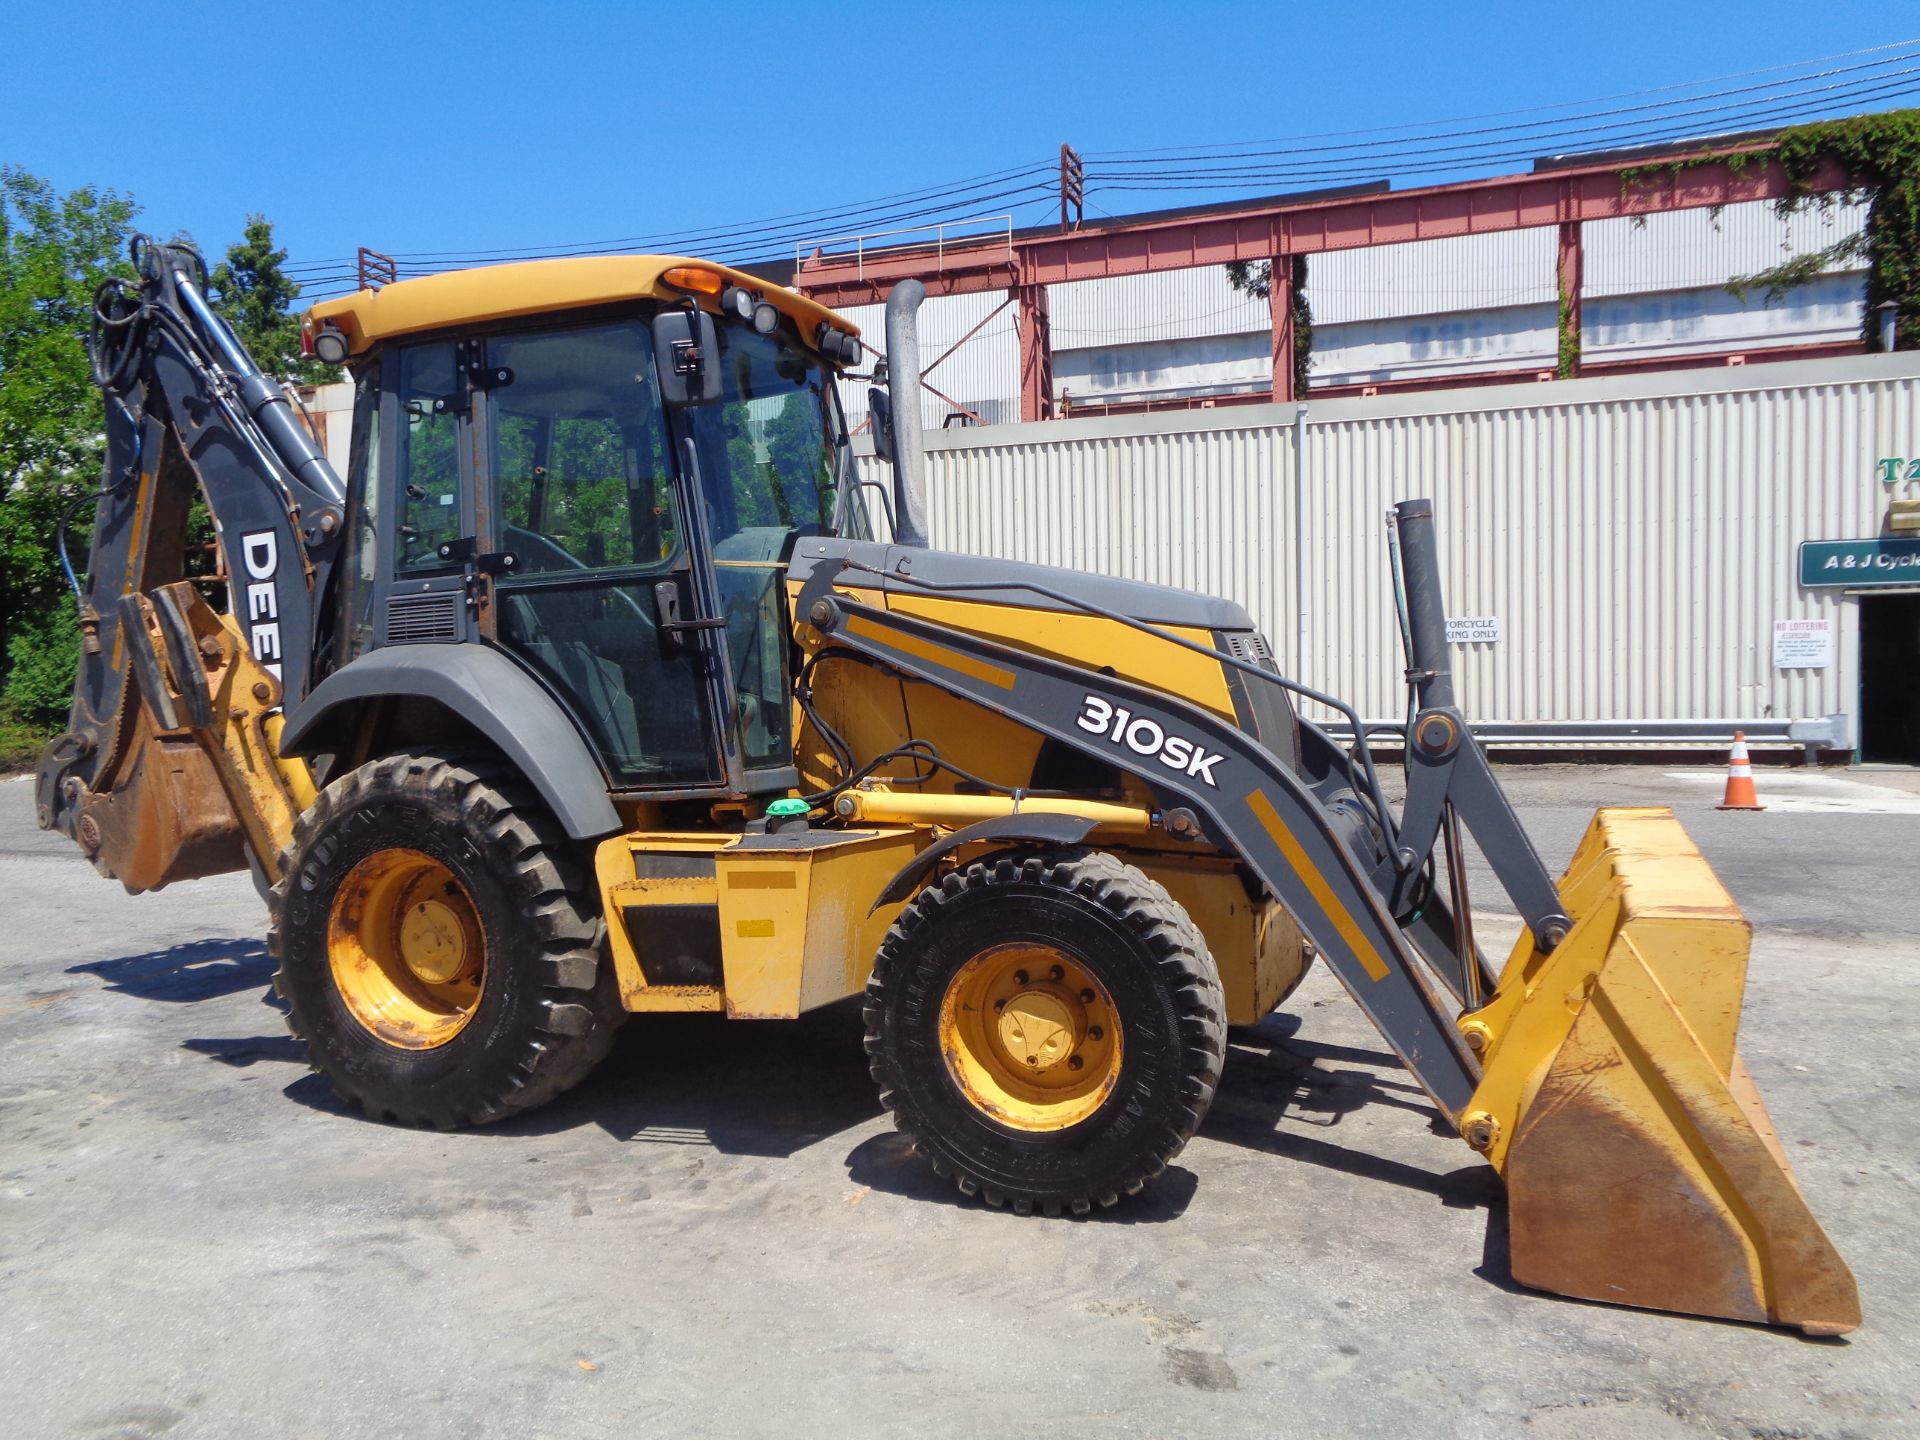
x: 54, y: 249
x: 255, y: 295
x: 1255, y: 278
x: 1880, y: 155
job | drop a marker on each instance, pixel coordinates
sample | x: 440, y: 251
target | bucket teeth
x: 1641, y: 1166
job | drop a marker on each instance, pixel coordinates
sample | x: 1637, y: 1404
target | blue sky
x: 428, y: 128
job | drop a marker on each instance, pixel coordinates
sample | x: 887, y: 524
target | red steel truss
x: 1278, y: 230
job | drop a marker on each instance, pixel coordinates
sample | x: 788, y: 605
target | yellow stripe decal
x: 935, y: 654
x: 1317, y: 886
x: 762, y: 880
x: 753, y: 929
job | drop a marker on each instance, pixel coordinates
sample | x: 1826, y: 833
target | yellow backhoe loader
x: 589, y: 690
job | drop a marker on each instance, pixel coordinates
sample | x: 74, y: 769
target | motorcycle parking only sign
x: 1473, y: 630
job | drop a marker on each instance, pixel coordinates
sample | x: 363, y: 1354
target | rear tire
x: 995, y: 981
x: 439, y: 949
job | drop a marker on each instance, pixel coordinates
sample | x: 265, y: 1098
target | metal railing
x: 1828, y: 732
x: 862, y: 243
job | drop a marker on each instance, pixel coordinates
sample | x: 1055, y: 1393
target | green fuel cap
x: 782, y: 809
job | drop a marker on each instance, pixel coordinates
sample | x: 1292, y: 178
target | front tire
x: 438, y: 948
x: 1046, y: 1029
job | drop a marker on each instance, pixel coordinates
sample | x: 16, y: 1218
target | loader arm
x: 1597, y: 1072
x: 169, y: 766
x: 1248, y: 802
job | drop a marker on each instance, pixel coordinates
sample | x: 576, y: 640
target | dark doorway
x: 1890, y: 678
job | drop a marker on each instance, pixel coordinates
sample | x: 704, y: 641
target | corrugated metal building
x: 1402, y: 312
x: 1634, y: 537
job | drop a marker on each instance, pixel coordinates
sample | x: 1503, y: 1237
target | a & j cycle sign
x: 1860, y: 564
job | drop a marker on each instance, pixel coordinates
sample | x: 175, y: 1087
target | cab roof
x: 538, y: 287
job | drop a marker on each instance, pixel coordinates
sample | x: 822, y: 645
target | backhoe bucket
x: 1640, y: 1164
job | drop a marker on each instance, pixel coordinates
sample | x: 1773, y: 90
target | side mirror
x: 880, y: 407
x: 686, y: 355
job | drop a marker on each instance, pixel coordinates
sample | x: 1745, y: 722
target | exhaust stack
x: 903, y: 390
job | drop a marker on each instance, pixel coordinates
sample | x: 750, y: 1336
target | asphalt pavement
x: 718, y: 1234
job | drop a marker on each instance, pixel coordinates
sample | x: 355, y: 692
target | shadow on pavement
x: 742, y: 1087
x: 1274, y: 1084
x: 241, y: 1052
x: 884, y: 1163
x: 182, y: 974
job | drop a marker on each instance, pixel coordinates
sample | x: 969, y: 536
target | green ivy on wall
x: 1255, y: 278
x: 1880, y: 155
x: 1569, y: 338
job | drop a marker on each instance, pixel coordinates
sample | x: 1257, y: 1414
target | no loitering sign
x: 1802, y: 644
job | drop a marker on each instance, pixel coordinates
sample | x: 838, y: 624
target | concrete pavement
x: 718, y: 1233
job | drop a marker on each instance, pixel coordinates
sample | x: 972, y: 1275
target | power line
x: 1744, y: 113
x: 825, y: 216
x: 1523, y: 110
x: 1451, y: 159
x: 1404, y: 153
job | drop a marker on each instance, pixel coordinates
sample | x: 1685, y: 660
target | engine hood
x: 985, y: 580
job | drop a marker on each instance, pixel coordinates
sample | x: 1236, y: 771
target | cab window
x: 428, y: 508
x: 580, y: 452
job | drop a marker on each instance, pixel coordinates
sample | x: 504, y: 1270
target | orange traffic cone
x: 1739, y: 794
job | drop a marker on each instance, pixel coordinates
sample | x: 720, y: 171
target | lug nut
x: 1019, y: 977
x: 1075, y: 1063
x: 1086, y: 997
x: 1033, y: 1059
x: 1057, y: 973
x: 1096, y: 1033
x: 999, y: 1004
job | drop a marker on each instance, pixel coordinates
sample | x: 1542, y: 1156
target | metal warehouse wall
x: 1481, y: 302
x: 1635, y: 535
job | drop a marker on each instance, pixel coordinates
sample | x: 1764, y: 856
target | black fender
x: 491, y: 692
x: 1040, y: 826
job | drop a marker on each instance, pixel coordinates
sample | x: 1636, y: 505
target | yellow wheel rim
x: 407, y: 949
x: 1030, y: 1037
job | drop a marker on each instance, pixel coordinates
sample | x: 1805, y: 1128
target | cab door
x: 599, y: 600
x: 427, y: 500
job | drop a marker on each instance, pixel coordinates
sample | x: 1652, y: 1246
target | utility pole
x: 1073, y: 188
x: 374, y: 269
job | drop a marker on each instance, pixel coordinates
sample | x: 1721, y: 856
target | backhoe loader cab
x: 590, y: 691
x: 543, y: 483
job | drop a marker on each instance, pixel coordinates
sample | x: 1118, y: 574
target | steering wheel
x: 531, y: 544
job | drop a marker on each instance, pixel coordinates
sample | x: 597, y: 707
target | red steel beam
x: 1473, y: 207
x: 1572, y: 272
x: 1280, y: 310
x: 1036, y: 354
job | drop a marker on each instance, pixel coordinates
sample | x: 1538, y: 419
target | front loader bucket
x: 1641, y: 1167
